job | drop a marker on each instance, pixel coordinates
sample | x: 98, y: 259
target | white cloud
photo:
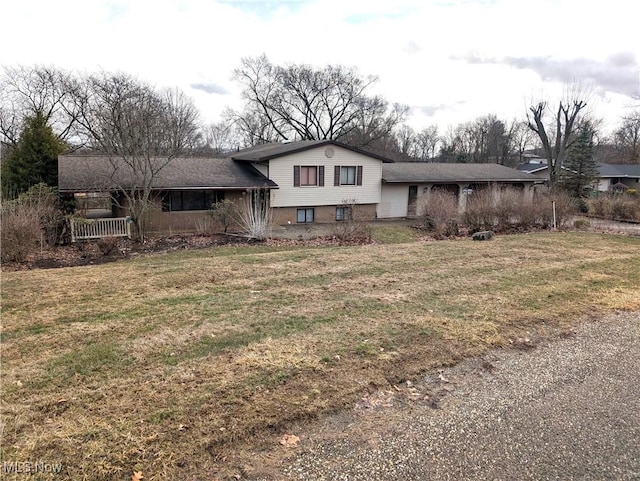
x: 415, y: 47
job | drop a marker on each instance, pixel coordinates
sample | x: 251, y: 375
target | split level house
x: 302, y: 182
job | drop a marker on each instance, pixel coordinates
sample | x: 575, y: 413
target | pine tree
x: 34, y: 158
x: 580, y: 169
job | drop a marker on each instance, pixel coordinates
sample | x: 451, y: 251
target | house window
x: 305, y: 215
x: 308, y: 175
x: 343, y: 213
x: 187, y: 200
x: 347, y: 175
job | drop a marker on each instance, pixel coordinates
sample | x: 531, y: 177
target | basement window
x: 305, y: 216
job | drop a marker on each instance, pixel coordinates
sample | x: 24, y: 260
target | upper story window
x: 347, y: 175
x: 308, y: 175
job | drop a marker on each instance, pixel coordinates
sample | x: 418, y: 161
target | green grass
x: 393, y: 234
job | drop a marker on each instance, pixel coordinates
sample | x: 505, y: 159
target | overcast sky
x: 449, y: 60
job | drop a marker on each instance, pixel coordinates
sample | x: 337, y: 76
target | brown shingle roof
x: 409, y: 172
x: 80, y: 173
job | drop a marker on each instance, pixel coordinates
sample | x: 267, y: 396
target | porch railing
x: 97, y: 228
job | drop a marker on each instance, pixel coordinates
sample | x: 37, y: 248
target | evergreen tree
x: 580, y: 168
x: 34, y: 158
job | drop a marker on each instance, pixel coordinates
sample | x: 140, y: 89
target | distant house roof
x: 80, y: 173
x: 409, y: 172
x: 619, y: 170
x: 273, y: 150
x: 531, y: 167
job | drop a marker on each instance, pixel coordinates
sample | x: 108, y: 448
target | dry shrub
x: 44, y: 200
x: 255, y: 217
x: 600, y: 207
x: 203, y: 225
x: 566, y: 207
x: 625, y: 209
x: 31, y: 220
x: 440, y: 213
x: 21, y: 232
x: 581, y: 224
x: 480, y: 213
x: 107, y: 244
x: 512, y: 209
x: 615, y: 207
x: 352, y: 227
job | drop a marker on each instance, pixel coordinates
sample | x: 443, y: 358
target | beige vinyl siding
x: 262, y: 168
x: 281, y: 172
x: 395, y: 199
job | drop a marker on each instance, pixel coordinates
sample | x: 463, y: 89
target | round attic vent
x: 329, y: 152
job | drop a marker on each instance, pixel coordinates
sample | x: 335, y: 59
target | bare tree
x: 38, y: 90
x: 627, y: 138
x: 521, y: 138
x: 406, y: 140
x: 427, y: 141
x: 140, y: 129
x: 222, y: 137
x: 301, y: 102
x: 250, y: 126
x: 558, y: 135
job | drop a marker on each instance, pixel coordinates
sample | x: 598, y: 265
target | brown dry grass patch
x: 166, y: 364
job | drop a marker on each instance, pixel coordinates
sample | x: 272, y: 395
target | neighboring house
x: 304, y: 182
x: 407, y: 185
x: 618, y: 177
x: 612, y: 177
x: 183, y: 190
x: 535, y: 167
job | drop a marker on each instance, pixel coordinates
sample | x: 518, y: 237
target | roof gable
x: 263, y: 152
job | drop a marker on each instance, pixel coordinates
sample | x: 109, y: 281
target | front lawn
x: 167, y: 364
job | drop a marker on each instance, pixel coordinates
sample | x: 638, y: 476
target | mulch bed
x: 89, y: 252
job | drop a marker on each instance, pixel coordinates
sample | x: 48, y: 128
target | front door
x: 413, y: 200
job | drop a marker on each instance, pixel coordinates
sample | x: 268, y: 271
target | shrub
x: 439, y: 212
x: 617, y: 207
x: 107, y: 244
x: 21, y: 233
x: 480, y: 213
x: 624, y: 209
x: 566, y: 208
x: 256, y: 216
x: 600, y: 207
x: 203, y: 225
x: 511, y: 209
x: 223, y: 213
x: 351, y: 227
x: 31, y: 220
x: 45, y: 201
x: 581, y: 224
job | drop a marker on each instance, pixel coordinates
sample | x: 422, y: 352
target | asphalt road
x: 567, y: 409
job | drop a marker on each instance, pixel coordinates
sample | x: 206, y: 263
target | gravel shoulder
x: 567, y: 408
